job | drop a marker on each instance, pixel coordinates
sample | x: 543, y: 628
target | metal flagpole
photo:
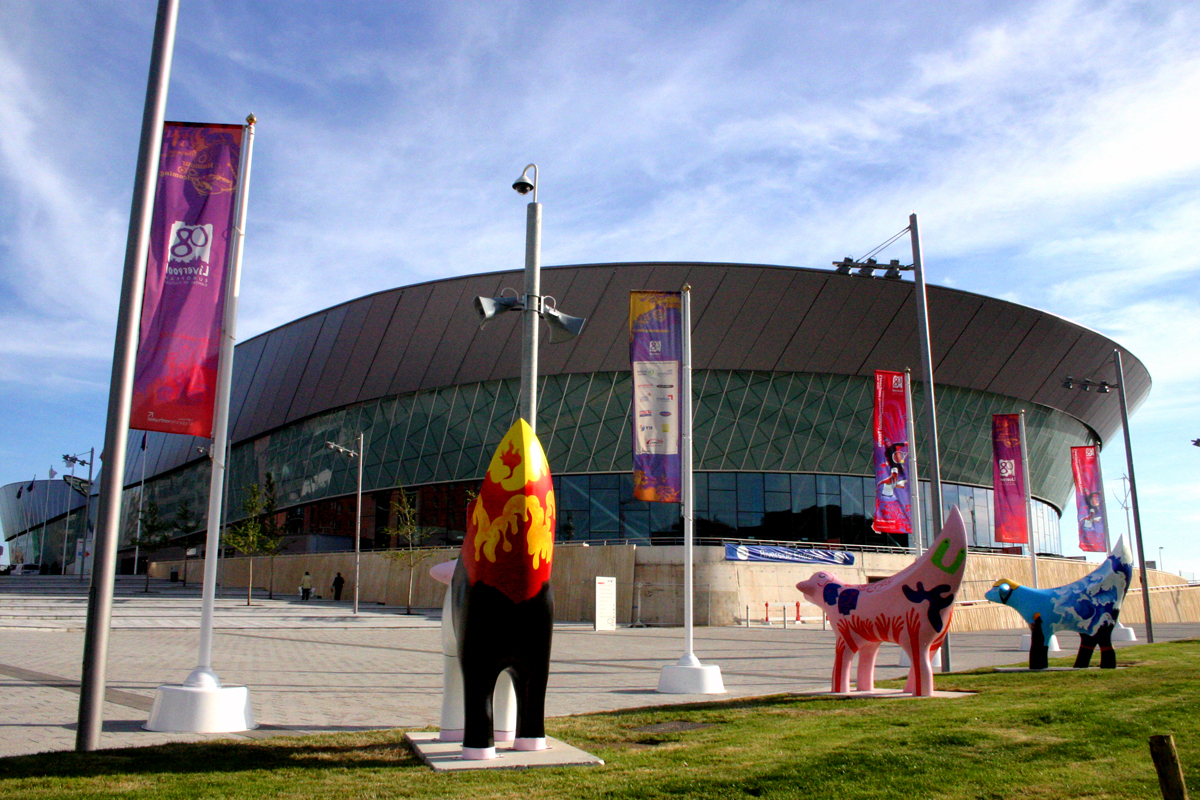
x: 935, y: 512
x: 688, y: 675
x: 1133, y: 501
x: 1028, y: 502
x: 203, y: 675
x: 918, y: 531
x: 120, y: 398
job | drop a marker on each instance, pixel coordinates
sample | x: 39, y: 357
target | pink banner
x: 1008, y: 479
x: 1089, y: 500
x: 893, y: 506
x: 175, y: 376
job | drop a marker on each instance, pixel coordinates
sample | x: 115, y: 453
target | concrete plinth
x: 698, y: 679
x: 448, y: 756
x: 201, y: 709
x: 1122, y: 633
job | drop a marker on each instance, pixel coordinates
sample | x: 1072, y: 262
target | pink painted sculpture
x: 911, y: 608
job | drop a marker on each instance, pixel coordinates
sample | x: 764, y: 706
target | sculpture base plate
x: 675, y: 679
x: 447, y: 756
x: 194, y: 709
x: 881, y: 694
x: 1123, y: 633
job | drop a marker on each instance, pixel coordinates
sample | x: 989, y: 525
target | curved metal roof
x: 744, y: 316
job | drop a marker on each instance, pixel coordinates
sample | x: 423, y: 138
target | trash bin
x: 174, y: 576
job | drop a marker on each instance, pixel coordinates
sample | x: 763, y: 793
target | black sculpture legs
x: 495, y: 634
x: 1038, y: 646
x: 1087, y: 645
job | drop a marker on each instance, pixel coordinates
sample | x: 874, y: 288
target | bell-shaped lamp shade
x: 563, y: 327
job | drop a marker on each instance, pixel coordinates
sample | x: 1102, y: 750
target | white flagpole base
x: 1122, y: 633
x: 688, y: 676
x: 201, y: 709
x: 1027, y: 642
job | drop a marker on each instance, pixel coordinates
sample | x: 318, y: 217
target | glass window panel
x: 606, y: 511
x: 700, y: 490
x: 574, y: 494
x: 829, y: 485
x: 804, y: 492
x: 722, y: 481
x: 722, y: 506
x: 605, y: 481
x: 750, y: 491
x: 664, y: 518
x: 851, y: 496
x: 776, y: 482
x: 777, y: 501
x: 635, y: 520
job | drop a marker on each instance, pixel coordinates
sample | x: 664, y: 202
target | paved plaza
x: 315, y: 667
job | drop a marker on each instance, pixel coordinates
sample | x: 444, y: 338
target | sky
x: 1048, y: 147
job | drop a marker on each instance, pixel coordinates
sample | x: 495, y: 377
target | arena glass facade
x: 782, y: 453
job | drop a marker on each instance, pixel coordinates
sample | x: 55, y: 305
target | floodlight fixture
x: 867, y: 270
x: 893, y: 270
x: 843, y: 266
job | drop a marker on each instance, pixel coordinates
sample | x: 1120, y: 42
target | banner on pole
x: 893, y: 501
x: 191, y: 237
x: 1089, y: 500
x: 1008, y: 479
x: 656, y: 354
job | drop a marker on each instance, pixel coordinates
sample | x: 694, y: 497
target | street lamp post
x: 358, y: 455
x: 74, y: 460
x: 1103, y: 387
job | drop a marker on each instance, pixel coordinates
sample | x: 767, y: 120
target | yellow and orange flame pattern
x: 510, y: 525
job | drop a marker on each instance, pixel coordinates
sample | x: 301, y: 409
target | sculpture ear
x: 1005, y: 592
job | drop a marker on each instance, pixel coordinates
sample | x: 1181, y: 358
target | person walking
x: 338, y: 583
x: 306, y: 587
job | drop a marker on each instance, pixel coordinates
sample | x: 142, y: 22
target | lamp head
x: 525, y: 185
x: 490, y: 307
x: 563, y: 327
x: 843, y: 266
x: 1068, y: 382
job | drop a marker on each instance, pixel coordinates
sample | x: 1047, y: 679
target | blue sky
x: 1049, y: 148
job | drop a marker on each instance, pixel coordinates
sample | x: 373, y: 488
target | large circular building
x: 782, y: 390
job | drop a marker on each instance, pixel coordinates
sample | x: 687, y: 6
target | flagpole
x: 141, y: 500
x: 1028, y: 503
x: 913, y: 478
x: 120, y: 397
x: 203, y: 675
x: 688, y: 675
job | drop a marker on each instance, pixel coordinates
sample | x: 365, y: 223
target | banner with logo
x: 1008, y: 479
x: 656, y: 352
x: 175, y: 376
x: 893, y: 503
x: 771, y: 553
x: 1089, y: 500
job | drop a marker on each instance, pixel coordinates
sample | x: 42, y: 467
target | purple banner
x: 1008, y: 479
x: 893, y: 504
x: 655, y: 352
x: 1089, y: 500
x: 175, y: 377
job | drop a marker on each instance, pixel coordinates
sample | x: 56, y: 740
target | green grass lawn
x: 1050, y: 735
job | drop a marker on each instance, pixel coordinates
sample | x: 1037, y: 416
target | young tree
x: 155, y: 534
x: 186, y: 521
x: 408, y: 536
x: 272, y: 533
x: 250, y: 537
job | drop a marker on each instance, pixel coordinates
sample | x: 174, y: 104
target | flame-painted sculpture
x: 911, y: 608
x: 504, y: 609
x: 1089, y: 606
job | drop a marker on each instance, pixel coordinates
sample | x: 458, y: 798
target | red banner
x: 1008, y: 479
x: 893, y: 507
x: 191, y: 232
x: 1089, y: 500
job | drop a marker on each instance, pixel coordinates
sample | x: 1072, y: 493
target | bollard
x: 747, y: 616
x: 784, y: 617
x: 824, y: 620
x: 767, y: 612
x: 797, y: 612
x: 1166, y: 762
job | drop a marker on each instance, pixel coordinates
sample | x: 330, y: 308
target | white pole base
x: 529, y: 743
x: 201, y: 709
x: 676, y: 679
x: 1027, y: 642
x: 936, y: 661
x: 1123, y: 634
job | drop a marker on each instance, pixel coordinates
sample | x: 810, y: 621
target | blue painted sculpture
x: 1089, y: 606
